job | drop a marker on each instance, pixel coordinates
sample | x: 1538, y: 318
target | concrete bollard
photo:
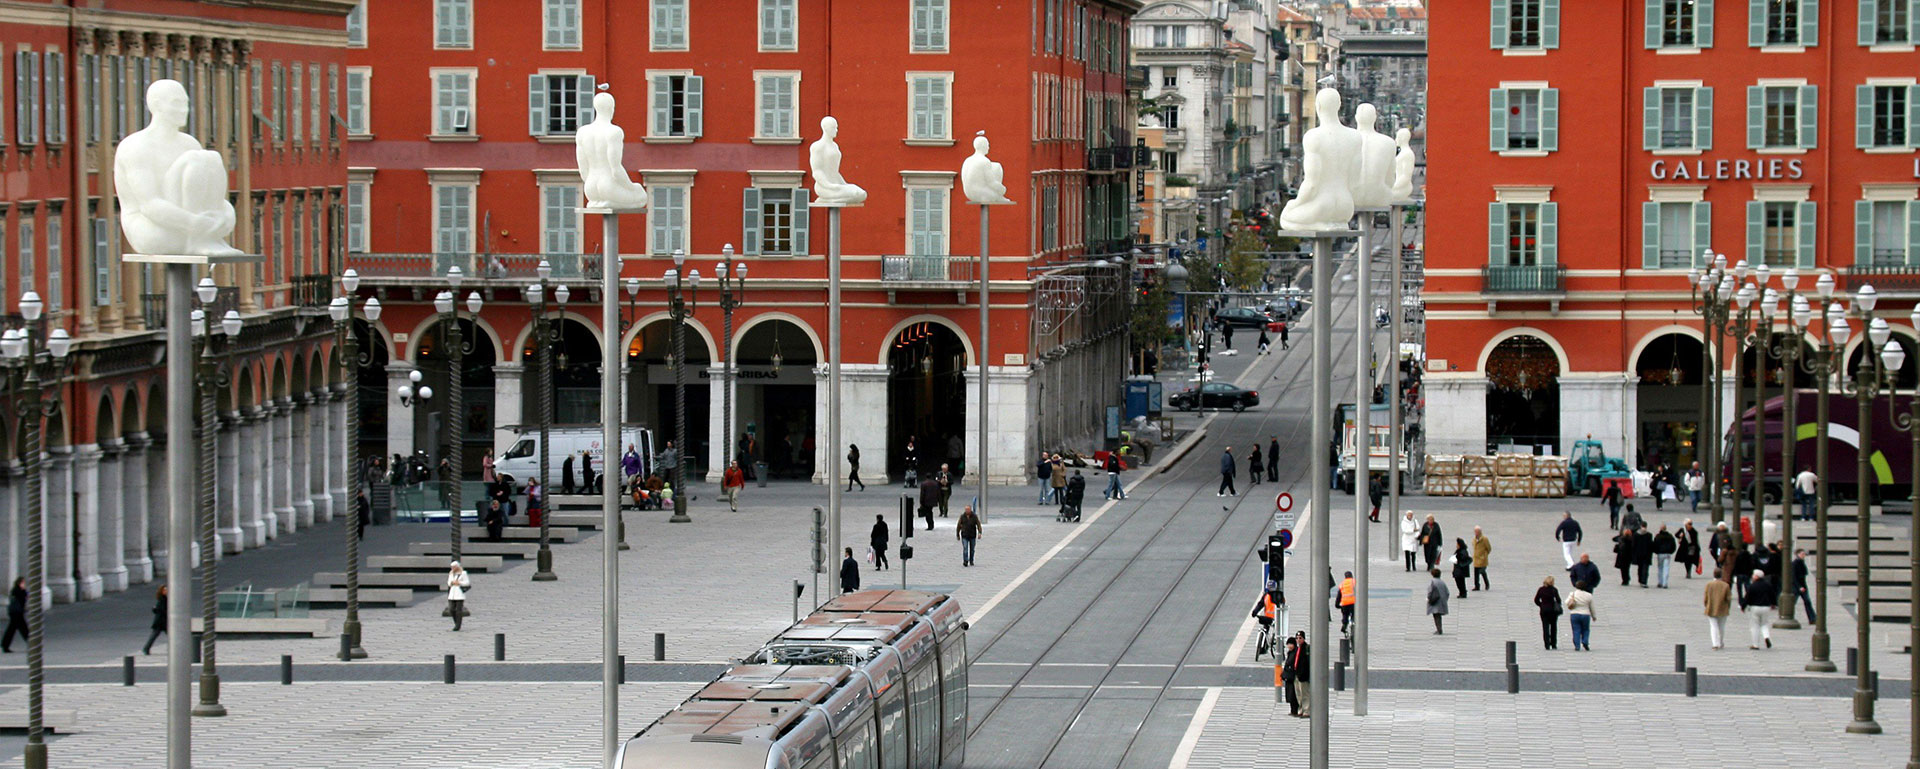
x: 1513, y: 653
x: 286, y: 670
x: 1853, y: 661
x: 196, y: 648
x: 1513, y: 678
x: 659, y: 647
x: 1693, y: 682
x: 446, y: 670
x: 126, y: 671
x: 1873, y: 680
x: 499, y: 647
x: 1346, y: 651
x: 346, y: 647
x: 1340, y: 676
x: 1679, y: 658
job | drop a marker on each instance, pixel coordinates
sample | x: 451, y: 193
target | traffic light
x: 1276, y: 558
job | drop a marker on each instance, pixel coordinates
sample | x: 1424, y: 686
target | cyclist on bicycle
x: 1263, y: 610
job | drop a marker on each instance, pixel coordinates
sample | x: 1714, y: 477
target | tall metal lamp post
x: 1712, y: 289
x: 629, y: 315
x: 1787, y: 347
x: 456, y: 345
x: 349, y: 359
x: 543, y: 359
x: 1909, y: 423
x: 1745, y: 296
x: 733, y: 293
x: 214, y: 372
x: 33, y: 384
x: 683, y: 289
x: 1868, y: 379
x: 1825, y: 363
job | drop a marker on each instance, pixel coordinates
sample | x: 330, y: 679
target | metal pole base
x: 209, y: 705
x: 679, y: 509
x: 354, y: 652
x: 623, y: 526
x: 36, y: 757
x: 1821, y: 662
x: 544, y: 566
x: 1786, y: 623
x: 1863, y: 722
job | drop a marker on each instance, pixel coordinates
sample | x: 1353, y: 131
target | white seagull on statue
x: 982, y: 178
x: 597, y: 150
x: 172, y: 193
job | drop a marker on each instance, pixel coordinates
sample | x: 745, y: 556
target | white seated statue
x: 1331, y: 159
x: 597, y: 149
x: 172, y: 193
x: 982, y: 179
x: 1373, y: 187
x: 1403, y: 165
x: 830, y: 189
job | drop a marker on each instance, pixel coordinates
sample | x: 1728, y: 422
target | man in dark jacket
x: 1568, y: 535
x: 1623, y: 550
x: 1376, y: 491
x: 849, y: 573
x: 1227, y: 470
x: 929, y: 499
x: 1613, y: 501
x: 1585, y: 572
x: 17, y: 614
x: 1076, y: 493
x: 1273, y: 458
x: 1642, y: 553
x: 878, y: 539
x: 1300, y: 659
x: 1799, y: 584
x: 1664, y: 546
x: 1430, y: 541
x: 495, y: 519
x: 1759, y: 602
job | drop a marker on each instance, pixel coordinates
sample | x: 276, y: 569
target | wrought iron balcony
x: 515, y: 269
x: 1888, y: 271
x: 153, y: 307
x: 312, y: 290
x: 927, y: 269
x: 1523, y: 279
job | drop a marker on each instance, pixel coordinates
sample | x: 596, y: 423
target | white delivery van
x: 520, y: 458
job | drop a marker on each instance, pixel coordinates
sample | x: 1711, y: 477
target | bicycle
x: 1265, y: 643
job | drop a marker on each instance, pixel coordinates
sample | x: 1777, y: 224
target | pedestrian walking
x: 1043, y: 476
x: 1743, y: 568
x: 1664, y: 546
x: 730, y: 482
x: 1273, y: 458
x: 1227, y: 469
x: 1687, y: 549
x: 1568, y: 535
x: 1632, y: 520
x: 853, y: 467
x: 486, y: 467
x: 1056, y: 478
x: 1346, y: 602
x: 929, y: 499
x: 536, y: 502
x: 1613, y: 500
x: 1226, y: 335
x: 1430, y: 540
x: 457, y: 584
x: 630, y: 466
x: 1462, y: 565
x: 1800, y: 584
x: 1696, y: 486
x: 1409, y: 538
x: 1548, y: 599
x: 877, y: 539
x: 1718, y: 602
x: 849, y: 573
x: 1584, y: 572
x: 946, y: 479
x: 1114, y: 466
x: 1076, y: 495
x: 1580, y: 616
x: 1760, y: 604
x: 910, y: 461
x: 1436, y: 598
x: 159, y: 620
x: 1806, y: 486
x: 1482, y: 551
x: 1300, y: 658
x: 968, y: 531
x: 1657, y: 482
x: 364, y: 510
x: 1376, y: 491
x: 587, y: 477
x: 1642, y: 553
x: 1284, y: 342
x: 566, y: 475
x: 1255, y: 467
x: 16, y: 614
x: 1623, y: 547
x: 1263, y: 341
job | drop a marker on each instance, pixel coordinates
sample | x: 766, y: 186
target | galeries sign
x: 1760, y: 169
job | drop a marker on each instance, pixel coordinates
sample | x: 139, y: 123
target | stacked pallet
x: 1496, y: 475
x: 1443, y: 475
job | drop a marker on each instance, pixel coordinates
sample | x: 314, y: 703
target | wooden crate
x: 1549, y: 487
x: 1550, y: 467
x: 1476, y: 465
x: 1512, y: 465
x: 1444, y: 485
x: 1443, y: 465
x: 1512, y: 486
x: 1477, y: 486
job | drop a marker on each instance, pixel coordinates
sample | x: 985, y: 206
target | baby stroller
x: 1070, y: 505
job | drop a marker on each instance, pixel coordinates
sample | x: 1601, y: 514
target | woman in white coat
x: 457, y: 584
x: 1409, y: 538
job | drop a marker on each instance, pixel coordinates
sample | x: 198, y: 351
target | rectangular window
x: 1679, y: 23
x: 778, y: 95
x: 667, y: 216
x: 929, y: 26
x: 26, y: 98
x: 1782, y: 123
x: 558, y: 104
x: 1779, y: 22
x: 1678, y: 117
x: 279, y: 108
x: 1523, y: 23
x: 313, y: 104
x: 1885, y: 114
x: 89, y: 97
x: 357, y: 25
x: 102, y: 258
x: 1049, y: 218
x: 357, y: 209
x: 1170, y: 117
x: 296, y: 254
x: 1179, y: 37
x: 670, y: 25
x: 27, y: 250
x: 1887, y: 231
x: 1523, y: 119
x: 559, y: 221
x: 1778, y: 238
x: 777, y: 24
x: 1170, y: 77
x: 1889, y: 22
x: 1169, y: 162
x: 55, y: 286
x: 453, y: 219
x: 927, y: 222
x: 1161, y: 35
x: 775, y: 221
x: 453, y: 23
x: 284, y: 247
x: 316, y: 258
x: 1676, y: 235
x: 563, y: 24
x: 1523, y: 234
x: 357, y: 100
x: 453, y: 102
x: 56, y: 97
x: 294, y: 113
x: 930, y: 103
x: 677, y: 105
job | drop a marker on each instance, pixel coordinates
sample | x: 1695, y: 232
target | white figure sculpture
x: 1373, y: 187
x: 1403, y: 165
x: 172, y: 193
x: 1331, y: 159
x: 597, y: 149
x: 830, y: 189
x: 982, y: 178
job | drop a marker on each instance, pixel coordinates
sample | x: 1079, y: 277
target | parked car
x: 1242, y: 317
x: 1215, y: 395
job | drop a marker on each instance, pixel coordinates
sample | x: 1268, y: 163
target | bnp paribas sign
x: 1743, y: 169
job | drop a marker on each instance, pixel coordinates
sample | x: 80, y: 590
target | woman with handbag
x: 1548, y: 599
x: 457, y: 584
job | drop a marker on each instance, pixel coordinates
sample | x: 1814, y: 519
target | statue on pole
x: 172, y: 192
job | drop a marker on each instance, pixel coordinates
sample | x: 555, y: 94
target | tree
x: 1148, y: 325
x: 1244, y: 266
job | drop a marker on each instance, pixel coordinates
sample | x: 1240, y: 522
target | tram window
x: 953, y: 663
x: 925, y: 712
x: 857, y: 748
x: 893, y: 729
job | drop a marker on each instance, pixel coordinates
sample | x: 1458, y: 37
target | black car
x: 1215, y: 395
x: 1243, y: 317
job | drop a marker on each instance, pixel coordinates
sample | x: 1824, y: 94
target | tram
x: 875, y: 679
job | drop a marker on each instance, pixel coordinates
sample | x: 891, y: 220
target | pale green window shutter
x: 800, y: 221
x: 1497, y: 119
x: 1756, y: 23
x: 536, y: 105
x: 1863, y: 116
x: 1913, y: 232
x: 1650, y: 235
x: 1702, y: 231
x: 1756, y: 231
x: 1549, y: 233
x: 1703, y: 23
x: 1809, y: 116
x: 1809, y: 22
x: 1869, y: 9
x: 1703, y: 118
x: 1806, y: 229
x: 1756, y: 116
x: 1653, y: 24
x: 1913, y: 20
x: 662, y: 103
x: 1650, y: 119
x: 1497, y: 234
x: 1862, y: 232
x: 586, y: 87
x: 696, y: 98
x: 1550, y: 23
x: 1550, y: 119
x: 1499, y: 24
x: 750, y: 221
x: 1913, y: 115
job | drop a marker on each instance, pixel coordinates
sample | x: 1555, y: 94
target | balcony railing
x: 926, y: 269
x: 1889, y: 271
x: 312, y: 290
x: 516, y: 268
x: 153, y: 307
x: 1524, y: 279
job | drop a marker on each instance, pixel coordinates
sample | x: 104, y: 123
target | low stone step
x: 444, y: 549
x: 1899, y: 611
x: 269, y: 627
x: 433, y: 563
x: 1880, y: 593
x: 379, y: 597
x: 1838, y: 545
x: 58, y: 721
x: 525, y: 534
x: 586, y: 521
x: 409, y: 580
x: 1878, y: 561
x: 1879, y: 576
x: 1846, y: 529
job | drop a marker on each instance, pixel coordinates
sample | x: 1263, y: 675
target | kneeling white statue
x: 172, y: 192
x: 597, y: 150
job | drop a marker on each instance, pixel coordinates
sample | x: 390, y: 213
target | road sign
x: 1286, y: 537
x: 1283, y: 516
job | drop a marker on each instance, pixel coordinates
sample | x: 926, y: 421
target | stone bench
x: 585, y: 521
x: 444, y: 549
x: 425, y: 580
x: 434, y: 563
x: 57, y: 721
x: 387, y: 597
x: 269, y: 627
x: 524, y: 534
x: 1880, y: 576
x: 1888, y: 593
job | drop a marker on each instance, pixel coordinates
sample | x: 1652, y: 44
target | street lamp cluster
x: 683, y: 288
x: 215, y: 343
x: 455, y: 345
x: 733, y: 293
x: 348, y: 360
x: 543, y: 341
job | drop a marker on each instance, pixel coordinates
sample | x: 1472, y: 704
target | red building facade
x: 462, y: 154
x: 1618, y: 143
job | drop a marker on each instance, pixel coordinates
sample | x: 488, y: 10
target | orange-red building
x: 461, y: 129
x: 1584, y: 155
